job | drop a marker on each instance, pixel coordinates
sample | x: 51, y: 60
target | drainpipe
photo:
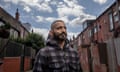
x: 22, y: 59
x: 90, y: 59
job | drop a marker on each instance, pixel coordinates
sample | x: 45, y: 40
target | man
x: 57, y: 56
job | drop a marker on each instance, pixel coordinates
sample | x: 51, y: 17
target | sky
x: 41, y: 13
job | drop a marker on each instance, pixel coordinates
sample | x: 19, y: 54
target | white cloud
x: 50, y: 19
x: 69, y: 7
x: 39, y: 5
x: 100, y: 1
x: 27, y: 9
x: 41, y: 31
x: 71, y: 34
x: 72, y: 8
x: 79, y: 20
x: 74, y: 22
x: 45, y: 7
x: 71, y: 3
x: 65, y: 19
x: 39, y: 18
x: 13, y: 1
x: 65, y: 9
x: 43, y: 19
x: 30, y: 2
x: 74, y: 11
x: 6, y: 6
x: 53, y: 2
x: 44, y: 32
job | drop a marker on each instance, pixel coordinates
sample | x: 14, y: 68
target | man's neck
x: 61, y: 44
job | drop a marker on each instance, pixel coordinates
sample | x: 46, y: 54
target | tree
x: 4, y: 30
x: 35, y: 40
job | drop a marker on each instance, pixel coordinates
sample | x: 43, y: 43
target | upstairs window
x: 111, y: 26
x: 95, y: 29
x: 115, y: 16
x: 84, y: 25
x: 90, y: 33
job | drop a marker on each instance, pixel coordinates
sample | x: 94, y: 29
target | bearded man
x: 57, y: 56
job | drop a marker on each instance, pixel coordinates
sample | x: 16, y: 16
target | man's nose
x: 63, y: 30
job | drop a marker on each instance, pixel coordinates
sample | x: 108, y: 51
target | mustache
x: 63, y: 33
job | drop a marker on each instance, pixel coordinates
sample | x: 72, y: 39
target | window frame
x: 111, y: 21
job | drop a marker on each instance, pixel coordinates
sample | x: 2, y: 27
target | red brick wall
x: 84, y: 59
x: 118, y: 68
x: 27, y: 63
x: 1, y: 67
x: 12, y: 64
x: 96, y: 62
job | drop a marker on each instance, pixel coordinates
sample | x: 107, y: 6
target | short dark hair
x: 52, y: 25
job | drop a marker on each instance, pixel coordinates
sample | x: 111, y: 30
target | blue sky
x: 41, y: 13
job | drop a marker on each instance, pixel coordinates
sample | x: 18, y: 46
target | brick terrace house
x: 8, y: 63
x: 99, y: 42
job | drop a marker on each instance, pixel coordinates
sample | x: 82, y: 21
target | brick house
x: 99, y: 42
x: 10, y: 63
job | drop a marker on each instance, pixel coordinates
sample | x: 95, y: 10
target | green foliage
x: 18, y: 40
x: 4, y: 30
x: 35, y: 40
x: 6, y: 26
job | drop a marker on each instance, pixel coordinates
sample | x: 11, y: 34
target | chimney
x: 17, y: 15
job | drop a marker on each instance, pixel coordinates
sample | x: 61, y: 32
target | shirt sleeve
x: 39, y: 62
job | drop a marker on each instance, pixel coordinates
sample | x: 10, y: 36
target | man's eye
x: 59, y: 27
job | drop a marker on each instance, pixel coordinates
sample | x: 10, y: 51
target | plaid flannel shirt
x: 54, y: 59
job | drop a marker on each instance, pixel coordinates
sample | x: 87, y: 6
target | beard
x: 60, y: 37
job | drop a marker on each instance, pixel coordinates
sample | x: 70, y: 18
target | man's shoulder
x: 45, y: 49
x: 73, y: 50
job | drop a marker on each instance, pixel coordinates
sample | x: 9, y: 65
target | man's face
x: 59, y: 31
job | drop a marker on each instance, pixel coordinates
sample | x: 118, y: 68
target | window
x: 13, y: 33
x: 1, y: 23
x: 99, y: 27
x: 90, y: 33
x: 115, y: 16
x: 95, y: 29
x: 84, y: 25
x: 111, y: 22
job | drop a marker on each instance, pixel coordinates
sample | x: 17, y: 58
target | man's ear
x: 51, y: 31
